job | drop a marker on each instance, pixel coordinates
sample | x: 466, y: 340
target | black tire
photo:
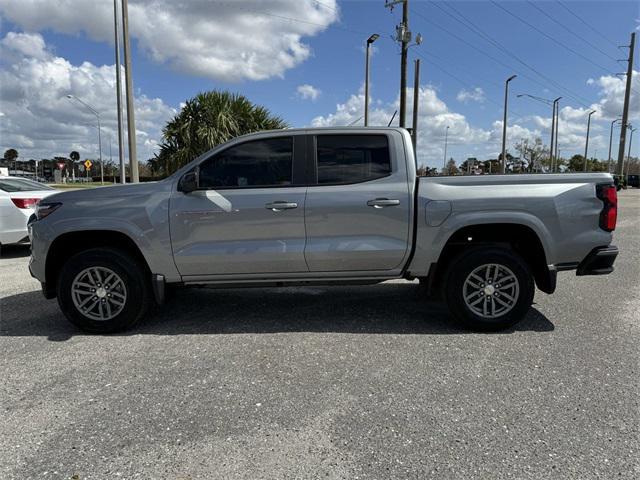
x: 456, y: 287
x: 135, y: 286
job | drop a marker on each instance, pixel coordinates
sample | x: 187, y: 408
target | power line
x: 587, y: 59
x: 571, y: 31
x: 429, y: 61
x: 584, y: 22
x: 487, y: 37
x: 318, y: 2
x: 474, y: 75
x: 479, y: 32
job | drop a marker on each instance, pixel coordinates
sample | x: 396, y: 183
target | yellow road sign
x: 87, y: 164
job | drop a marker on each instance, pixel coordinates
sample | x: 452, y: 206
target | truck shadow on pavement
x: 379, y: 309
x: 15, y: 251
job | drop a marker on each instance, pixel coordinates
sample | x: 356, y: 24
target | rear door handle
x: 383, y: 202
x: 279, y: 206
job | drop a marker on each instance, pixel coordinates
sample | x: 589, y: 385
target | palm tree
x: 207, y: 120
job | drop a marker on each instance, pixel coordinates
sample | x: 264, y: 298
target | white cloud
x: 433, y: 118
x: 308, y: 92
x: 475, y: 95
x: 611, y: 92
x: 228, y: 41
x: 40, y: 122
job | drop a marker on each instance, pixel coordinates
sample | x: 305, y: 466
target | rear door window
x: 343, y: 159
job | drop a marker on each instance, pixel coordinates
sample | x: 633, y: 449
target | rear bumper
x: 599, y: 261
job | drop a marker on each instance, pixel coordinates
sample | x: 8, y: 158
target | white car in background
x: 18, y: 198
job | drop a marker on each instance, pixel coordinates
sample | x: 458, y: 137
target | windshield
x: 21, y: 185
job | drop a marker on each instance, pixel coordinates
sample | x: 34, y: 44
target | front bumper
x: 599, y: 261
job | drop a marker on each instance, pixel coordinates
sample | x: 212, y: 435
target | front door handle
x: 279, y: 206
x: 383, y: 202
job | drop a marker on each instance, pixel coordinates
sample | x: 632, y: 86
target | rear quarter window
x: 11, y: 185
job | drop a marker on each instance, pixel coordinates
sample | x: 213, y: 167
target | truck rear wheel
x: 103, y: 290
x: 489, y: 288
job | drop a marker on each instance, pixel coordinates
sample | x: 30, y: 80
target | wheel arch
x: 518, y: 237
x: 70, y: 243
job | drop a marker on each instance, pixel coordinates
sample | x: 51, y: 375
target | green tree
x: 207, y: 120
x: 535, y: 154
x: 426, y: 171
x: 11, y: 154
x: 450, y: 168
x: 491, y: 166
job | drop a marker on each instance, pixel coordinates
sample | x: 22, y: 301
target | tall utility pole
x: 131, y: 122
x: 586, y: 143
x: 504, y: 124
x: 370, y: 40
x: 625, y: 109
x: 404, y: 37
x: 416, y: 95
x: 610, y: 144
x: 123, y: 174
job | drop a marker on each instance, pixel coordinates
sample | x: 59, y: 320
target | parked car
x: 321, y: 206
x: 18, y: 198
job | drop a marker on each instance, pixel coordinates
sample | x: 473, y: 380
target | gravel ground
x: 340, y: 382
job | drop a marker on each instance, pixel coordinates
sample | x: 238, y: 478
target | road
x: 359, y: 382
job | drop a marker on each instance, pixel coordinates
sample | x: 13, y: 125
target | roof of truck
x: 307, y: 129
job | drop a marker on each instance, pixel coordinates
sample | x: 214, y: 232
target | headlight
x: 46, y: 209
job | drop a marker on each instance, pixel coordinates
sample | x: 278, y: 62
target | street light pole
x: 554, y: 130
x: 95, y: 112
x: 416, y: 102
x: 554, y: 104
x: 370, y: 40
x: 556, y: 155
x: 504, y: 122
x: 123, y: 174
x: 446, y: 138
x: 131, y: 123
x: 610, y: 144
x: 586, y: 143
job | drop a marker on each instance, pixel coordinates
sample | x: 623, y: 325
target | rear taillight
x: 25, y: 202
x: 609, y: 196
x: 45, y: 209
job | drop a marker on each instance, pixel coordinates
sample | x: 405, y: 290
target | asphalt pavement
x: 342, y: 382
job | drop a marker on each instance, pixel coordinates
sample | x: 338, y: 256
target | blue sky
x: 454, y: 58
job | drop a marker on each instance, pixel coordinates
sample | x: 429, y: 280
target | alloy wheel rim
x: 491, y: 290
x: 98, y: 293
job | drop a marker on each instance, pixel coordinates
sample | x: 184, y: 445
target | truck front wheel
x: 489, y: 288
x: 103, y: 290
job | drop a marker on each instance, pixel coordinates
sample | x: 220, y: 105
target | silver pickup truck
x: 321, y: 206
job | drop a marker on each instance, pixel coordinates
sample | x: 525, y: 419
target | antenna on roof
x: 392, y: 117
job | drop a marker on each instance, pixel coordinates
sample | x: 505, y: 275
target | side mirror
x: 189, y: 182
